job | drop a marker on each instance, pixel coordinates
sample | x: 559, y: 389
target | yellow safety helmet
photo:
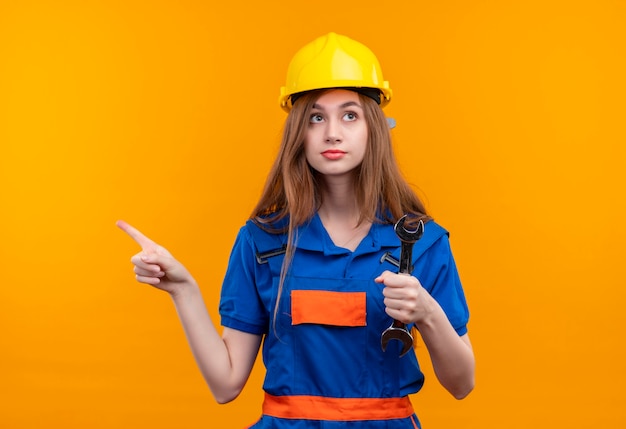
x: 334, y: 61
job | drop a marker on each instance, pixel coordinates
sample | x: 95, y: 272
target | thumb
x: 159, y: 256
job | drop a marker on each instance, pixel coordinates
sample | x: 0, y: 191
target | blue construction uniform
x: 335, y: 353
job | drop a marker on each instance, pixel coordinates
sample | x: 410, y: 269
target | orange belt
x: 338, y: 409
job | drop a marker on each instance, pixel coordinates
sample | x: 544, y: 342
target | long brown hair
x: 292, y: 191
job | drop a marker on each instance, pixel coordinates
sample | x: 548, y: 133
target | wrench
x: 408, y: 237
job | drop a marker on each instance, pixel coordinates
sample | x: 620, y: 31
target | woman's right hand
x: 154, y: 265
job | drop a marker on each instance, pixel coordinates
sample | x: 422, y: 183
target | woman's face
x: 337, y: 133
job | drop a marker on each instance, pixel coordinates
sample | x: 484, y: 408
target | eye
x: 316, y: 118
x: 350, y: 116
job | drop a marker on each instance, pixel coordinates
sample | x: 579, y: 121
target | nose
x: 333, y: 131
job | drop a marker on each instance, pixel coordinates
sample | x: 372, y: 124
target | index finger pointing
x: 134, y: 233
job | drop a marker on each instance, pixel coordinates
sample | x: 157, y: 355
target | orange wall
x: 510, y: 121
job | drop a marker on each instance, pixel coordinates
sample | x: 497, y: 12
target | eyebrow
x: 342, y: 106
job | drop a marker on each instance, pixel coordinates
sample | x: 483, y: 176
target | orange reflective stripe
x: 338, y: 409
x: 328, y: 308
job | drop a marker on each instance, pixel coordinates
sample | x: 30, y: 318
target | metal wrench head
x: 405, y: 234
x: 400, y: 334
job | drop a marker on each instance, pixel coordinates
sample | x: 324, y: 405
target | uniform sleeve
x: 240, y: 306
x: 437, y: 272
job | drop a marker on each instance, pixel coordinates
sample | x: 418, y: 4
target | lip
x: 333, y: 154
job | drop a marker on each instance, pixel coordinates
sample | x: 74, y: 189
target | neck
x: 339, y: 202
x: 340, y: 216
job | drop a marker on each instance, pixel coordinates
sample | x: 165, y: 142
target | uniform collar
x: 314, y: 237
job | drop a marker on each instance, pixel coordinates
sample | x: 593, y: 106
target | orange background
x: 510, y: 123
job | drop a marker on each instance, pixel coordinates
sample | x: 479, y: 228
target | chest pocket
x: 328, y: 308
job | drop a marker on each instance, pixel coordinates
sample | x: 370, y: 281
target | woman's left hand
x: 451, y: 355
x: 405, y: 298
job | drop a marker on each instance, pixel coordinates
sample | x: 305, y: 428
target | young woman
x: 312, y: 275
